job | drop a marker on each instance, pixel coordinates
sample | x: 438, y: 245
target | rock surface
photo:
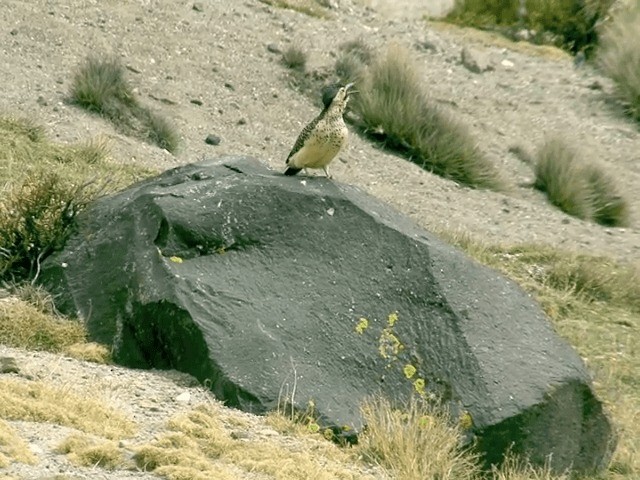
x: 256, y: 283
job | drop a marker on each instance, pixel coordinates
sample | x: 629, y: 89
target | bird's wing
x: 302, y: 137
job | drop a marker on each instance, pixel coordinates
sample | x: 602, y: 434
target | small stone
x: 212, y: 140
x: 273, y: 48
x: 507, y: 63
x: 198, y: 7
x: 426, y: 45
x: 196, y: 101
x: 14, y: 32
x: 184, y: 397
x: 8, y: 365
x: 474, y: 60
x: 229, y: 86
x: 242, y: 121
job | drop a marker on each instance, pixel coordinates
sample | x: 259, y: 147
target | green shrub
x: 392, y: 106
x: 160, y: 131
x: 557, y: 172
x: 571, y: 24
x: 619, y: 55
x: 36, y: 219
x: 100, y: 86
x: 578, y: 188
x: 43, y: 186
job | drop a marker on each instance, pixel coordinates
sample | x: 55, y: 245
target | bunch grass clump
x: 392, y: 106
x: 12, y: 447
x: 581, y: 189
x: 86, y: 451
x: 398, y: 439
x: 37, y: 401
x: 197, y: 445
x: 619, y: 55
x: 294, y: 58
x: 99, y: 85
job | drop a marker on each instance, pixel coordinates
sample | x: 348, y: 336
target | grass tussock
x: 37, y: 401
x: 294, y: 58
x: 99, y: 85
x: 198, y: 442
x: 397, y: 439
x: 313, y: 8
x: 29, y: 319
x: 88, y: 452
x: 392, y: 106
x: 569, y: 24
x: 43, y: 186
x: 514, y: 468
x: 619, y: 55
x: 24, y: 325
x: 12, y: 447
x: 576, y: 187
x: 89, y: 352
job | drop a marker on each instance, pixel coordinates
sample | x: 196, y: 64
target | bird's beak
x: 348, y: 88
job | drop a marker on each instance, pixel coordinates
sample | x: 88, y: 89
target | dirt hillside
x: 206, y: 66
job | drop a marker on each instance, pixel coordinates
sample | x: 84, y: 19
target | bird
x: 322, y: 139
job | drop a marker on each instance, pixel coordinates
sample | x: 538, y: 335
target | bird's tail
x: 290, y: 171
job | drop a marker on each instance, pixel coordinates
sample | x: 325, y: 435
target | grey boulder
x: 257, y: 284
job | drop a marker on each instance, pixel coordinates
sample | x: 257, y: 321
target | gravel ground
x: 206, y: 65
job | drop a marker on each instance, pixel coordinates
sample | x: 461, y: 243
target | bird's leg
x: 326, y: 172
x: 306, y: 172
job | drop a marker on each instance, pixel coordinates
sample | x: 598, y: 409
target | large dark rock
x: 255, y: 283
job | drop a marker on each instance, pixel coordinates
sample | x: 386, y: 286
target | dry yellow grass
x: 515, y: 469
x: 36, y: 401
x: 89, y: 452
x: 12, y: 447
x: 198, y: 442
x: 398, y: 440
x: 89, y: 352
x: 24, y: 325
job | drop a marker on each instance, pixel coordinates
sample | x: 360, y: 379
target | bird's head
x: 336, y: 94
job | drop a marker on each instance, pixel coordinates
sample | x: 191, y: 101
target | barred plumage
x: 322, y: 139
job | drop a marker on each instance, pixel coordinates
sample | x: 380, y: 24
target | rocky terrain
x: 207, y: 67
